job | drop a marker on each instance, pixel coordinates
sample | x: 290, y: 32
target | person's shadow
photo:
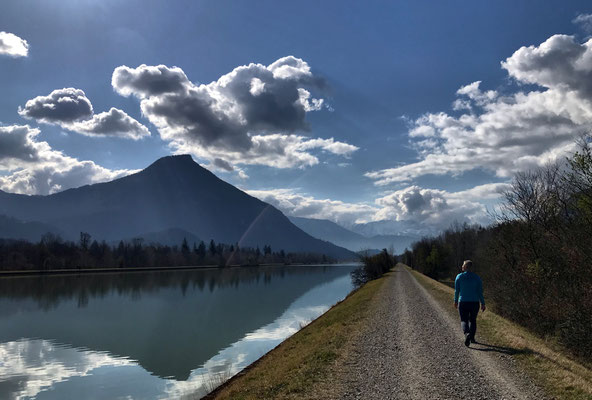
x: 498, y: 349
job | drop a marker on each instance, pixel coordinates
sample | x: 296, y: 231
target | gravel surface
x: 413, y: 349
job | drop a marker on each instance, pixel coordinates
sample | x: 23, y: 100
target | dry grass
x: 296, y: 368
x: 545, y: 361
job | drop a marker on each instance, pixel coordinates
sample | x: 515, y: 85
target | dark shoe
x: 467, y: 340
x: 473, y: 340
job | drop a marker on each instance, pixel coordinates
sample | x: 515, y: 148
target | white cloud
x: 584, y: 21
x: 425, y: 210
x: 307, y: 102
x: 422, y: 131
x: 290, y: 68
x: 560, y: 63
x: 488, y: 191
x: 432, y: 208
x: 474, y: 93
x: 329, y: 145
x: 31, y: 166
x: 257, y: 87
x: 250, y: 116
x: 111, y: 123
x: 275, y: 150
x: 12, y: 45
x: 510, y: 133
x: 300, y: 205
x: 37, y: 365
x: 72, y: 110
x: 242, y: 174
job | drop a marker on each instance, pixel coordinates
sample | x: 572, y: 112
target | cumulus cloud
x: 472, y: 95
x: 30, y: 166
x: 72, y: 110
x: 12, y: 45
x: 299, y: 205
x: 560, y: 63
x: 17, y: 145
x: 111, y: 123
x: 60, y: 106
x: 510, y: 133
x: 146, y: 81
x: 251, y: 115
x: 431, y: 208
x: 278, y: 151
x: 427, y: 211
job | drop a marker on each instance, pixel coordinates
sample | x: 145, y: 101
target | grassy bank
x: 294, y: 368
x: 560, y: 376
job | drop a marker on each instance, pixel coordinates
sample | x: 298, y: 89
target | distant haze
x: 330, y: 231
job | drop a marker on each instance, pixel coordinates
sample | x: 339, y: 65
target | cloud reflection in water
x: 42, y: 369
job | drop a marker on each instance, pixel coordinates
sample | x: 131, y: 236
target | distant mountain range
x: 12, y: 228
x: 174, y: 193
x: 391, y: 227
x: 334, y: 233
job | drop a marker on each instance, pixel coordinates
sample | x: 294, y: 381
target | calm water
x: 151, y: 334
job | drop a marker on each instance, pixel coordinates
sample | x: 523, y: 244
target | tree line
x: 536, y: 259
x: 51, y: 252
x: 373, y: 267
x: 49, y: 290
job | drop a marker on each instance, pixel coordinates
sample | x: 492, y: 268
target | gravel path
x: 413, y: 349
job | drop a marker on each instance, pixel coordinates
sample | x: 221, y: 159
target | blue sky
x: 387, y: 141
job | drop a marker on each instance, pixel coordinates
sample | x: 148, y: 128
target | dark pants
x: 468, y: 311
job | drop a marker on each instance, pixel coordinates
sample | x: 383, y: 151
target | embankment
x: 544, y: 361
x: 398, y: 337
x: 302, y: 364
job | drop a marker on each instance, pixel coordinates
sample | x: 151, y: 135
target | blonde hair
x: 468, y: 264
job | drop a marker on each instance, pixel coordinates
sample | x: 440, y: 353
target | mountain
x: 334, y: 233
x: 168, y: 237
x: 391, y: 227
x: 12, y: 228
x: 330, y: 231
x: 173, y: 192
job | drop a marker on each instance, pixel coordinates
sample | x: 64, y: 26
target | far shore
x: 75, y: 271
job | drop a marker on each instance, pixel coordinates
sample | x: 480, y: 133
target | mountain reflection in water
x: 152, y: 334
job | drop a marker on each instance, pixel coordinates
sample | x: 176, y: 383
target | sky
x: 417, y: 113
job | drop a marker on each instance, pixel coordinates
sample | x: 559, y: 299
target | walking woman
x: 468, y: 293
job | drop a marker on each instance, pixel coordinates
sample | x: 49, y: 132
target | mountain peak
x: 176, y: 163
x: 181, y: 159
x: 180, y: 167
x: 173, y: 192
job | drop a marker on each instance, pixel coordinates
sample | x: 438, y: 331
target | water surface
x: 151, y: 335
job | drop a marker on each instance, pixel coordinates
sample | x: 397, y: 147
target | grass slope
x: 560, y: 376
x: 291, y: 370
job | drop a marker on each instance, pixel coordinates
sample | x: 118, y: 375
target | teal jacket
x: 468, y: 287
